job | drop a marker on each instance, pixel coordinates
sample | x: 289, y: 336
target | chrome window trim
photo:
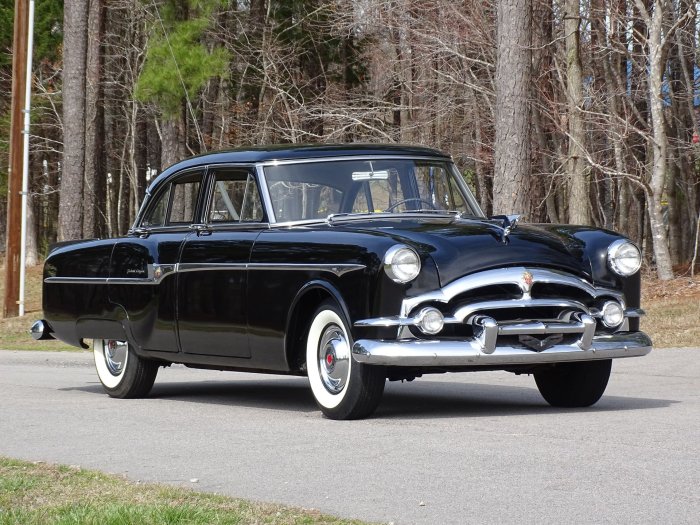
x: 265, y: 194
x: 308, y: 160
x: 465, y: 189
x: 234, y: 226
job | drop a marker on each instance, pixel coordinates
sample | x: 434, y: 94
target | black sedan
x: 349, y: 264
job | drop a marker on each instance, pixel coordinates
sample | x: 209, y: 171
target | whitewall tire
x: 342, y: 388
x: 123, y: 374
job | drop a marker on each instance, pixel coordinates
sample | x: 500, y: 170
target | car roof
x: 296, y: 151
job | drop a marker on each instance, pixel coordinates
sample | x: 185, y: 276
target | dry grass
x: 673, y: 311
x: 672, y: 320
x: 37, y: 493
x: 14, y: 331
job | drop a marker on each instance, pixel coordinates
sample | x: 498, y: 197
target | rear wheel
x: 574, y: 384
x: 343, y: 389
x: 123, y: 374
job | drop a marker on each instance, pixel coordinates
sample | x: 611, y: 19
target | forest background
x: 580, y: 111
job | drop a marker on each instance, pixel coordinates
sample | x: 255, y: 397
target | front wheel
x: 343, y: 389
x: 122, y: 372
x: 574, y: 384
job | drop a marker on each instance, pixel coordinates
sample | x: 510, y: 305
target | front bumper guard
x: 416, y: 352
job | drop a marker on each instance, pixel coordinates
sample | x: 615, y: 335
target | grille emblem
x: 538, y: 345
x: 528, y: 279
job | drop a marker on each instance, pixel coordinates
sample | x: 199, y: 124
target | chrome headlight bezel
x: 620, y: 250
x: 398, y: 261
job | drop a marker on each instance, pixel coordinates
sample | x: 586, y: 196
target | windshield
x: 315, y: 190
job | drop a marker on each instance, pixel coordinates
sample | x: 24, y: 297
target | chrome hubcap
x: 334, y: 359
x: 115, y: 355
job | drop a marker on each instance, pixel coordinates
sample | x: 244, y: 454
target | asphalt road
x: 461, y: 448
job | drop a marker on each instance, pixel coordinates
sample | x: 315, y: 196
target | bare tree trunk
x: 172, y: 140
x: 70, y: 217
x: 659, y: 143
x: 578, y: 185
x: 94, y: 121
x: 512, y: 142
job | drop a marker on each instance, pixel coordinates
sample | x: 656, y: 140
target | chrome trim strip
x: 208, y: 267
x: 470, y: 352
x: 76, y: 280
x: 541, y: 328
x: 634, y: 312
x: 337, y: 269
x: 309, y: 160
x: 155, y: 274
x: 158, y: 272
x: 514, y: 276
x: 265, y: 194
x: 465, y: 311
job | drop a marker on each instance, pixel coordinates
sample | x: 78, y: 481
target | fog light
x: 612, y: 314
x: 430, y: 321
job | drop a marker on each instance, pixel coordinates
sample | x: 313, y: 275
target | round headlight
x: 612, y: 314
x: 624, y: 258
x: 430, y: 321
x: 401, y: 264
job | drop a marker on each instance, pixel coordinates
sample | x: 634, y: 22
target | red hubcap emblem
x: 329, y: 359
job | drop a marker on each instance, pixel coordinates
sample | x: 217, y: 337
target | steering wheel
x: 404, y: 201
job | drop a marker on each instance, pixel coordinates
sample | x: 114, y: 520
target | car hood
x: 463, y: 246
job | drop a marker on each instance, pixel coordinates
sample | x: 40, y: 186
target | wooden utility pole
x: 14, y: 176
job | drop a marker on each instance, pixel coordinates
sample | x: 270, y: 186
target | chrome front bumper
x: 414, y: 352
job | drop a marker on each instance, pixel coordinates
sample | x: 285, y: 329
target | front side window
x: 235, y: 198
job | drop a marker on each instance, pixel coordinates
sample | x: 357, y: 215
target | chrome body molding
x: 155, y: 273
x: 337, y: 269
x: 470, y: 352
x: 515, y: 276
x: 158, y: 272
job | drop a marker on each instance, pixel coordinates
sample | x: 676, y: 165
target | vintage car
x: 349, y: 264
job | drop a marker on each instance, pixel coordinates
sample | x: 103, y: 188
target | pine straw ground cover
x: 38, y: 493
x: 673, y: 311
x: 672, y: 320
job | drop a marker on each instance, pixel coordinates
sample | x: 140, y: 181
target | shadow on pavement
x: 416, y: 400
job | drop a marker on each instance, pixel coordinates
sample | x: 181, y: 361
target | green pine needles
x: 178, y: 61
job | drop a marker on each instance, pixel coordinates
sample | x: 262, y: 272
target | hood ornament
x: 509, y: 223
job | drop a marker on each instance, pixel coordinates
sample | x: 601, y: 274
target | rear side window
x: 176, y: 204
x: 184, y: 201
x: 155, y: 216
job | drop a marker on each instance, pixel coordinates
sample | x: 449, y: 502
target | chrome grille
x: 533, y: 307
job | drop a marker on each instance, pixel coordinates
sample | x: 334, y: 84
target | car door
x: 143, y: 266
x: 212, y: 271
